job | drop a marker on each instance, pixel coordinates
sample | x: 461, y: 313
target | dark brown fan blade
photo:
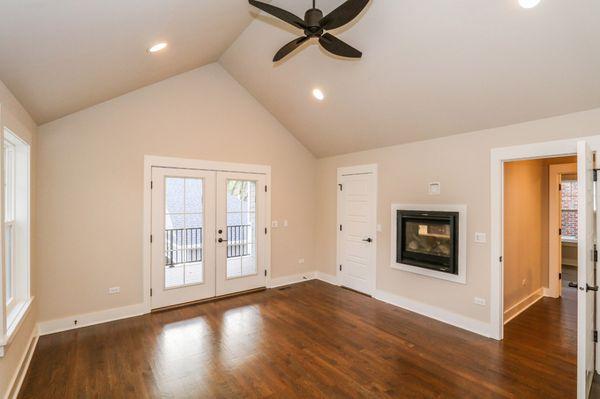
x: 279, y: 13
x: 338, y: 47
x: 343, y: 14
x: 288, y: 48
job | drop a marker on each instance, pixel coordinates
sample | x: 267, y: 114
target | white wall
x: 91, y: 183
x: 462, y: 164
x: 16, y: 118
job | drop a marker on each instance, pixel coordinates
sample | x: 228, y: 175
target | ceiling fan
x: 315, y: 25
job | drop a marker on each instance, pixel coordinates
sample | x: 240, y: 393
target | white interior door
x: 241, y: 232
x: 183, y: 240
x: 585, y: 272
x: 357, y: 215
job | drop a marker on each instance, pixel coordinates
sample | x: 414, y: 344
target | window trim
x: 567, y: 238
x: 14, y: 313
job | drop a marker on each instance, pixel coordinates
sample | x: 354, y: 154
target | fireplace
x: 428, y: 239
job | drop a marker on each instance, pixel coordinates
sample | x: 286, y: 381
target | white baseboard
x: 466, y: 323
x: 89, y: 319
x: 547, y: 292
x: 445, y: 316
x: 17, y: 380
x: 104, y: 316
x: 522, y: 305
x: 328, y: 278
x: 287, y: 280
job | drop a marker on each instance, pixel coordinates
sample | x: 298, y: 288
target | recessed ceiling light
x: 157, y: 47
x: 318, y: 94
x: 528, y: 3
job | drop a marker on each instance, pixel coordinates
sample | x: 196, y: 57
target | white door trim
x: 554, y: 245
x: 348, y: 171
x: 151, y: 161
x: 498, y: 157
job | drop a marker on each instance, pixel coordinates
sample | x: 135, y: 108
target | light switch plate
x: 480, y: 238
x: 274, y: 224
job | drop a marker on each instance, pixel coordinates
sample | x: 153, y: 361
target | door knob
x: 368, y: 239
x: 221, y: 240
x: 587, y: 287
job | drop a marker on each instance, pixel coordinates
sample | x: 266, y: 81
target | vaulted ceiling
x: 58, y: 57
x: 430, y: 68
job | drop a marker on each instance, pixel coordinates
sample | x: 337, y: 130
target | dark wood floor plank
x: 309, y: 340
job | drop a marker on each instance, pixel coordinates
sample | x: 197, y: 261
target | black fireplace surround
x: 428, y: 240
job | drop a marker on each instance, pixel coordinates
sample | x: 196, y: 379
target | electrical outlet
x: 285, y: 223
x: 479, y: 301
x: 524, y: 282
x: 114, y: 290
x: 274, y: 224
x: 301, y: 261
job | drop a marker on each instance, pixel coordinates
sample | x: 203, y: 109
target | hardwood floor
x: 308, y: 340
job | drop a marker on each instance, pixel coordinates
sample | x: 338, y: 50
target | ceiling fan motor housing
x: 312, y: 19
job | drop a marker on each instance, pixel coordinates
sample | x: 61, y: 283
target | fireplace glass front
x: 428, y: 240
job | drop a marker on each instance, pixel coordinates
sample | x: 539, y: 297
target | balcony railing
x: 185, y: 245
x: 239, y: 240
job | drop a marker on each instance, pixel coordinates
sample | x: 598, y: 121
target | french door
x: 208, y: 234
x: 241, y: 232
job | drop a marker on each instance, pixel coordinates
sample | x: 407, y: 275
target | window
x: 9, y: 219
x: 569, y: 210
x: 16, y: 228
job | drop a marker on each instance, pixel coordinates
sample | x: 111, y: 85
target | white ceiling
x: 61, y: 56
x: 430, y: 68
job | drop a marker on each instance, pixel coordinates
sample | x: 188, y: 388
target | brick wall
x: 569, y: 208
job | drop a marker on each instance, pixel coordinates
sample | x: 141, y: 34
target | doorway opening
x: 587, y: 226
x: 540, y: 230
x: 540, y: 198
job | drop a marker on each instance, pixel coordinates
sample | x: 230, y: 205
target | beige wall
x: 91, y: 183
x: 14, y: 116
x: 569, y: 254
x: 462, y: 164
x: 525, y: 210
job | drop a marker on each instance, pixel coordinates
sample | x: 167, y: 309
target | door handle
x: 221, y: 240
x: 587, y: 287
x: 368, y: 239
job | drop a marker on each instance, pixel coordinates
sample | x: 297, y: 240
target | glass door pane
x: 241, y: 232
x: 183, y: 232
x: 183, y: 236
x: 241, y: 228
